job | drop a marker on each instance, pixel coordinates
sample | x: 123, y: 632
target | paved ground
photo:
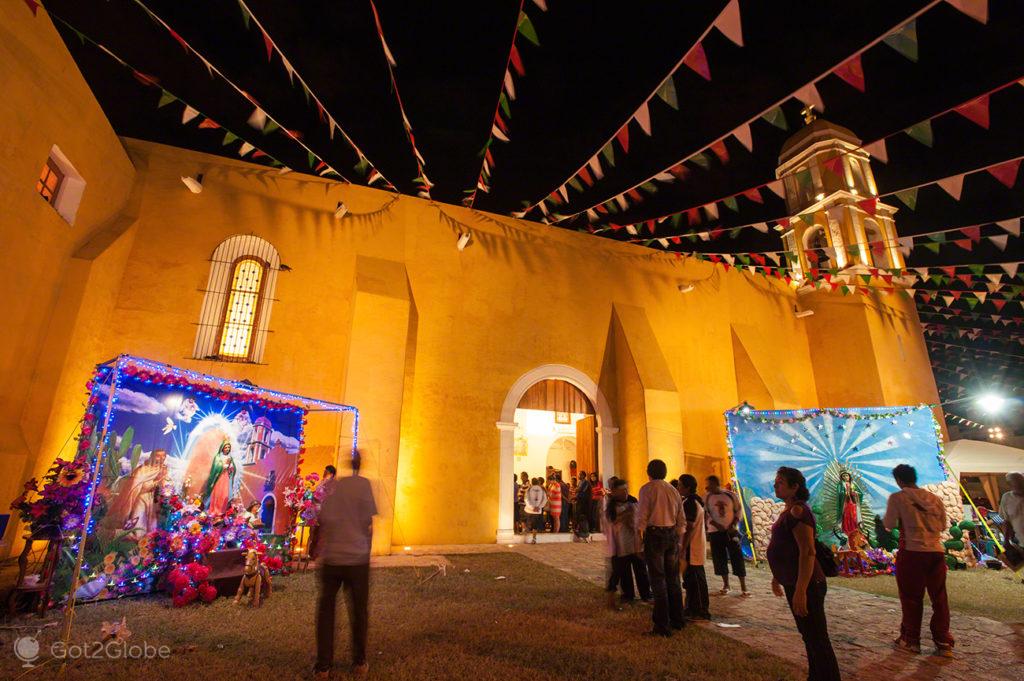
x: 862, y: 626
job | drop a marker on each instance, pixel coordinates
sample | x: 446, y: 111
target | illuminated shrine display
x: 177, y: 465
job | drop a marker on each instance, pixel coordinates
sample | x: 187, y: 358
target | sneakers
x: 907, y: 647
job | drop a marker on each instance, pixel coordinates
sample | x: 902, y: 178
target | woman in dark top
x: 796, y: 572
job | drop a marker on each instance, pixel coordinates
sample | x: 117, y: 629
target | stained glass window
x: 240, y: 315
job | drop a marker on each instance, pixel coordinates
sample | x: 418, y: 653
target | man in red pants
x: 920, y: 561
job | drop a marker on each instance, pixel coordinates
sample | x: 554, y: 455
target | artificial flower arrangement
x: 56, y: 506
x: 303, y: 496
x: 189, y: 582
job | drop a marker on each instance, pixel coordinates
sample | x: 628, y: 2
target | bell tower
x: 836, y: 220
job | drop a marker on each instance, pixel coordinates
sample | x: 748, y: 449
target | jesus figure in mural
x: 221, y: 482
x: 134, y: 509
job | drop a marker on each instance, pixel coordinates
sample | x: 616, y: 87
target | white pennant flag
x: 663, y: 242
x: 994, y: 278
x: 711, y: 209
x: 245, y: 148
x: 1010, y: 268
x: 922, y: 273
x: 497, y: 133
x: 949, y: 300
x: 980, y: 295
x: 564, y: 193
x: 592, y: 214
x: 999, y: 241
x: 665, y: 177
x: 1011, y: 226
x: 258, y: 119
x: 761, y: 227
x: 808, y: 94
x: 621, y: 200
x: 778, y: 188
x: 906, y: 244
x: 729, y: 258
x: 643, y: 117
x: 595, y: 167
x: 773, y: 256
x: 953, y: 185
x: 729, y: 23
x: 878, y: 150
x: 631, y: 229
x: 742, y: 134
x: 332, y: 125
x: 289, y: 69
x: 752, y: 269
x: 188, y: 114
x: 975, y: 9
x: 704, y: 236
x: 510, y: 87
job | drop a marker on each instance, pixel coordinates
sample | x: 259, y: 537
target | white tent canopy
x: 975, y: 456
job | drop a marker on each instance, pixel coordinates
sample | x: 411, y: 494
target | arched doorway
x: 604, y: 432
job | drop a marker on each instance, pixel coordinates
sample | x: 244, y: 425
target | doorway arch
x: 506, y: 424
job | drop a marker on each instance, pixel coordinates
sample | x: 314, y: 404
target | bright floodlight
x: 992, y: 403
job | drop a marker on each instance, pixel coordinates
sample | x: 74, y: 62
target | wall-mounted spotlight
x: 194, y: 184
x: 340, y: 211
x: 685, y: 288
x: 800, y: 314
x: 464, y: 239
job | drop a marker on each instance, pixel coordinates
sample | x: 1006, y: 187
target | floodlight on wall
x: 464, y: 239
x: 194, y: 184
x: 685, y: 288
x: 340, y: 211
x: 991, y: 403
x: 800, y: 314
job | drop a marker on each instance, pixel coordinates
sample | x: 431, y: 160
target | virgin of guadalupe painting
x: 217, y: 492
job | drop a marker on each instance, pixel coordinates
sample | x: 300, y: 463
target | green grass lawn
x: 536, y: 623
x: 998, y: 595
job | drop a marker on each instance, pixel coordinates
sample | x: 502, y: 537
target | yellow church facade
x: 376, y: 305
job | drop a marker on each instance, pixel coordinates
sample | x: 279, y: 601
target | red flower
x: 208, y: 592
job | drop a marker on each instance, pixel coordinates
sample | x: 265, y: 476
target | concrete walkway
x: 862, y: 625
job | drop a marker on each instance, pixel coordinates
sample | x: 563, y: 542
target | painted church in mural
x: 526, y: 347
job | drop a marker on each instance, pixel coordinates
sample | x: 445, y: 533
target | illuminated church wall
x: 382, y: 311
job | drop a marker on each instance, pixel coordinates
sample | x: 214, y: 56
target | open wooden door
x: 586, y: 444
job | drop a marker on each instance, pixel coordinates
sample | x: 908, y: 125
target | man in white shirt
x: 343, y: 550
x: 920, y: 561
x: 692, y: 550
x: 723, y: 511
x: 660, y: 518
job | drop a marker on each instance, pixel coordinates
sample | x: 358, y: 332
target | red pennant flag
x: 181, y: 41
x: 873, y: 271
x: 852, y: 72
x: 926, y: 297
x: 623, y: 137
x: 718, y: 148
x: 257, y: 154
x: 974, y: 233
x: 145, y: 78
x: 601, y: 208
x: 758, y: 258
x: 714, y: 258
x: 965, y: 244
x: 966, y: 278
x: 692, y: 216
x: 615, y: 227
x: 754, y: 195
x: 635, y: 194
x: 976, y: 111
x: 998, y: 303
x: 812, y: 256
x: 698, y: 61
x: 715, y: 233
x: 650, y: 226
x: 887, y: 278
x: 1006, y: 173
x: 949, y: 271
x: 517, y: 62
x: 835, y: 165
x: 32, y: 5
x: 269, y: 45
x: 868, y: 205
x: 679, y: 170
x: 815, y: 273
x: 208, y: 123
x: 584, y: 175
x: 955, y: 294
x: 319, y: 110
x: 833, y: 285
x: 676, y: 240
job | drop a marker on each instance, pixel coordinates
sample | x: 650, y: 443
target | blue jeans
x: 661, y: 550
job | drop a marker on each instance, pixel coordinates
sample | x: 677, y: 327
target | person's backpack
x: 826, y: 559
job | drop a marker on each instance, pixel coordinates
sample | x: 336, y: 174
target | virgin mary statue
x: 221, y: 481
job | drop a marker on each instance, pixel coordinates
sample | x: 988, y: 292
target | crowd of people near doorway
x: 550, y: 504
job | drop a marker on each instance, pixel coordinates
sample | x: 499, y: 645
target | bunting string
x: 364, y: 166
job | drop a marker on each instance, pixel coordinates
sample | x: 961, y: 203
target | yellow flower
x: 195, y: 528
x: 70, y: 476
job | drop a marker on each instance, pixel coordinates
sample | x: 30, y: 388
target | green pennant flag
x: 609, y: 154
x: 527, y: 30
x: 895, y: 271
x: 972, y: 302
x: 576, y: 184
x: 909, y: 197
x: 745, y: 259
x: 310, y: 158
x: 667, y: 92
x: 922, y: 132
x: 833, y: 271
x: 731, y: 204
x: 977, y: 270
x: 807, y: 219
x: 362, y: 165
x: 933, y: 247
x: 735, y: 232
x: 777, y: 118
x: 81, y: 37
x: 676, y: 220
x: 165, y: 99
x: 612, y: 207
x: 245, y: 14
x: 270, y: 127
x: 803, y: 178
x: 852, y: 249
x: 649, y: 187
x: 702, y: 159
x: 692, y: 237
x: 845, y: 290
x: 503, y: 102
x: 937, y: 238
x: 866, y: 278
x: 904, y: 40
x: 229, y: 137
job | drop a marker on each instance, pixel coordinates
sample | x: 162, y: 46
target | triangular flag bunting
x: 909, y: 197
x: 975, y: 9
x: 258, y: 119
x: 622, y: 136
x: 878, y: 150
x: 808, y: 94
x: 868, y: 205
x: 999, y: 241
x: 1006, y: 172
x: 976, y: 111
x: 922, y: 132
x: 904, y: 40
x: 1011, y: 226
x: 729, y: 23
x: 776, y: 117
x: 667, y: 92
x: 742, y: 134
x: 245, y: 149
x: 188, y: 114
x: 698, y: 61
x: 852, y: 72
x: 527, y: 30
x: 953, y: 185
x: 643, y: 118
